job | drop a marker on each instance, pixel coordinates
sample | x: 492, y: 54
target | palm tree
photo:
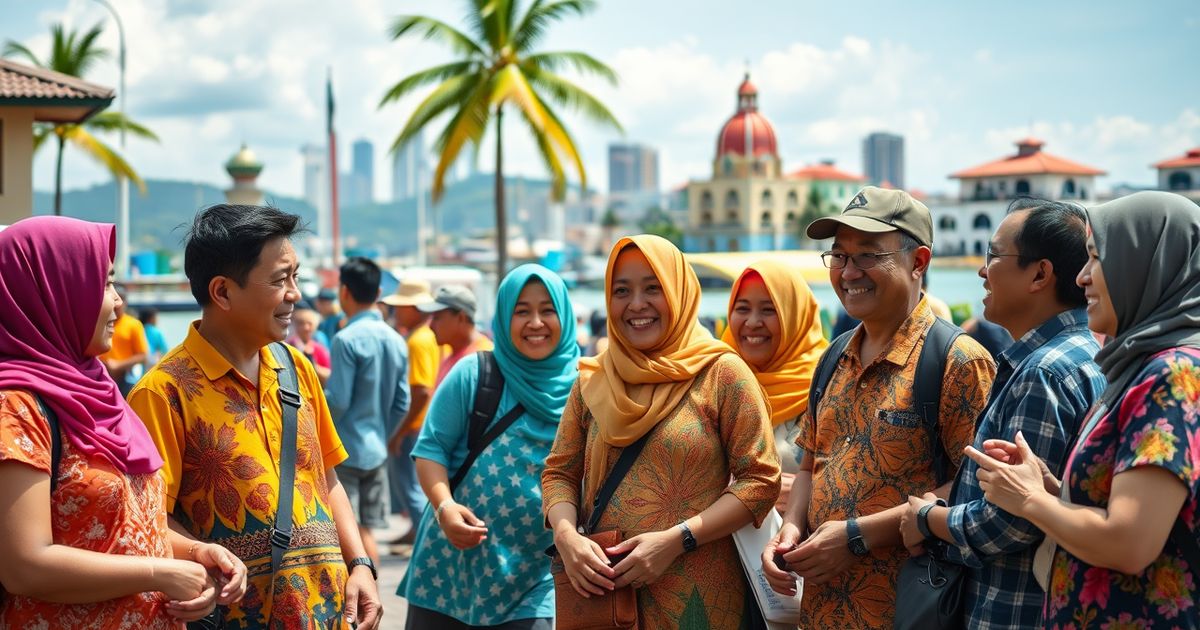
x: 74, y: 55
x: 498, y: 67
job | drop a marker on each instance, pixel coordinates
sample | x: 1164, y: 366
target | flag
x: 333, y: 170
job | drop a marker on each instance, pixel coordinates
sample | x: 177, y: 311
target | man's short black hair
x: 1054, y: 231
x: 361, y: 277
x: 147, y: 314
x: 227, y: 240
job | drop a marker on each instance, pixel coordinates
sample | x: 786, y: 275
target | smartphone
x: 780, y: 562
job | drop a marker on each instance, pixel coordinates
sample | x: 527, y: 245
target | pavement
x: 391, y: 571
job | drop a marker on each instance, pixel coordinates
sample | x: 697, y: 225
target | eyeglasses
x: 862, y: 261
x: 992, y: 256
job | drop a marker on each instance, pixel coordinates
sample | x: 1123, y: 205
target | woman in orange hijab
x: 775, y: 325
x: 663, y: 376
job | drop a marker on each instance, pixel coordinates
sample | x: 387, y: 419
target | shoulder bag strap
x: 628, y: 456
x: 826, y: 366
x: 55, y: 440
x: 487, y: 401
x: 289, y: 402
x: 927, y: 388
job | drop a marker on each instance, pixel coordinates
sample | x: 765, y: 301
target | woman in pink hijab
x: 85, y: 541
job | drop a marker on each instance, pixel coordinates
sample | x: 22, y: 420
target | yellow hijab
x: 787, y: 377
x: 629, y: 391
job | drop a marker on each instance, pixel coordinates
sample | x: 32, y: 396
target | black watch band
x: 857, y: 545
x: 363, y: 561
x: 689, y: 541
x: 923, y: 518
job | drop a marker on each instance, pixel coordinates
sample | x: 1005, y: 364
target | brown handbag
x: 615, y: 610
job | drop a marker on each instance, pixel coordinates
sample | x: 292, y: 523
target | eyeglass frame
x: 991, y: 256
x: 827, y: 258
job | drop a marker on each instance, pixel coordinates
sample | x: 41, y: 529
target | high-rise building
x: 409, y: 169
x: 883, y: 158
x: 632, y: 169
x: 362, y: 169
x: 316, y: 183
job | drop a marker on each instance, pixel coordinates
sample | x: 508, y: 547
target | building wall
x: 1184, y: 174
x: 409, y: 169
x: 733, y: 214
x: 16, y: 164
x: 883, y: 159
x: 1051, y: 186
x: 363, y: 167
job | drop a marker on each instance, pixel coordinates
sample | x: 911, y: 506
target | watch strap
x: 689, y: 540
x: 363, y: 561
x: 854, y: 537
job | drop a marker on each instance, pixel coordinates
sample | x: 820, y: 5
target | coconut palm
x: 498, y: 67
x: 73, y: 54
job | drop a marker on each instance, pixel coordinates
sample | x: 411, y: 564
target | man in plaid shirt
x: 1045, y: 384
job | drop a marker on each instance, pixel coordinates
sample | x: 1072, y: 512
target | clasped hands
x: 638, y: 561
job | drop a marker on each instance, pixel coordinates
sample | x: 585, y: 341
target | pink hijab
x: 53, y: 273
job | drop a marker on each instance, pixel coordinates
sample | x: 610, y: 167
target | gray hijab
x: 1149, y: 246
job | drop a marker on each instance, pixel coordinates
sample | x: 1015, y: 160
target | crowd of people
x: 238, y: 481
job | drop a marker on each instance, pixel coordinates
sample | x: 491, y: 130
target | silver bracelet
x: 437, y: 514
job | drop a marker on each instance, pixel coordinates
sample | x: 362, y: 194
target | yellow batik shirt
x: 219, y: 434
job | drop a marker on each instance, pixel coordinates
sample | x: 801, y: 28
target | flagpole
x: 333, y: 172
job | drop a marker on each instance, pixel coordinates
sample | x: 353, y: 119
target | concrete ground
x: 391, y: 571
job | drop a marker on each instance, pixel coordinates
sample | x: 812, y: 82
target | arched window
x: 727, y: 166
x: 733, y: 245
x: 978, y: 248
x: 766, y: 218
x: 1179, y: 180
x: 947, y: 223
x: 1068, y: 190
x: 706, y: 218
x: 706, y: 200
x: 1022, y: 187
x: 731, y: 200
x: 982, y: 222
x: 793, y: 200
x: 1082, y: 193
x: 791, y: 217
x: 979, y: 191
x: 767, y: 200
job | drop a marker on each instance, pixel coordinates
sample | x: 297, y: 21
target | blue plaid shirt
x: 1045, y: 384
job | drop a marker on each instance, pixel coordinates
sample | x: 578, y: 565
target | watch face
x: 857, y: 546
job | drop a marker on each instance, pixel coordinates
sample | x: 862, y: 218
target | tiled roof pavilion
x: 54, y: 97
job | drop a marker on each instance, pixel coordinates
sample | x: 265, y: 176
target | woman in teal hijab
x: 477, y: 557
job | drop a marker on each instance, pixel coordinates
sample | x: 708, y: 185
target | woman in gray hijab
x: 1125, y: 516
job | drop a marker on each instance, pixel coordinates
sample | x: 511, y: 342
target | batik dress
x: 1156, y: 423
x: 507, y: 576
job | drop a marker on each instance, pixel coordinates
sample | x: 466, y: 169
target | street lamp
x: 122, y: 262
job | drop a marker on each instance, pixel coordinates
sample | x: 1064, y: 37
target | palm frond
x: 568, y: 94
x: 104, y: 154
x: 115, y: 121
x: 452, y: 92
x: 485, y: 16
x: 41, y: 131
x: 467, y: 125
x: 558, y: 178
x: 432, y: 29
x: 540, y: 15
x: 17, y: 49
x: 512, y: 86
x: 426, y: 76
x: 580, y: 61
x: 86, y: 53
x: 557, y: 132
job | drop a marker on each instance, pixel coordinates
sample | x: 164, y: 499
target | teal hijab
x: 541, y: 386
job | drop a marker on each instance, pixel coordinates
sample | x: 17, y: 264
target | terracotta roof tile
x: 825, y: 172
x: 1031, y: 160
x: 1191, y: 158
x: 18, y: 81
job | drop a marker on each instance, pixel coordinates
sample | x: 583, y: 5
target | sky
x: 1109, y: 84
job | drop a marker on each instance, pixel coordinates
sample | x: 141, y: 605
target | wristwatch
x: 363, y: 561
x: 923, y: 518
x: 857, y: 545
x: 689, y: 541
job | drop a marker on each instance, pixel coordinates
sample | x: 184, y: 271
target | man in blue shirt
x: 367, y: 393
x: 1045, y: 384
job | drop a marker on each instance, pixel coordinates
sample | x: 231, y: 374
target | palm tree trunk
x: 501, y: 219
x: 58, y: 177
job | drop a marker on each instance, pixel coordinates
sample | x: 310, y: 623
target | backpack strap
x: 826, y: 366
x: 55, y: 440
x: 487, y: 402
x: 289, y: 402
x: 927, y: 388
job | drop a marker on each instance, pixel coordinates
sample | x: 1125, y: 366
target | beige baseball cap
x: 411, y: 292
x: 879, y: 210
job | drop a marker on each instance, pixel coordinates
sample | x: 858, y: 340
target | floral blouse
x: 1156, y: 423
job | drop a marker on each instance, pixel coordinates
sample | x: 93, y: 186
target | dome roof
x: 747, y: 133
x: 244, y: 162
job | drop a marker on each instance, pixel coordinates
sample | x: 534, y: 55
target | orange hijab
x: 629, y: 391
x: 788, y: 376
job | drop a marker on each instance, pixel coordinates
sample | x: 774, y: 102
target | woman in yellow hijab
x: 775, y: 325
x: 663, y: 376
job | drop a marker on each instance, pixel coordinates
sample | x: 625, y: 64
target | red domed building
x: 749, y: 204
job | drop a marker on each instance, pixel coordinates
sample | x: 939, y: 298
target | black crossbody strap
x: 488, y: 390
x: 628, y: 456
x: 55, y: 440
x: 826, y: 366
x: 927, y: 389
x: 289, y: 402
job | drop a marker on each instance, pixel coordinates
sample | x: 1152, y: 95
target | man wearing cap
x: 424, y: 354
x: 367, y: 393
x: 453, y: 323
x: 867, y: 449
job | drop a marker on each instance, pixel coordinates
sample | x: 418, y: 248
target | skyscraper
x: 316, y: 186
x: 409, y: 169
x: 632, y: 169
x: 363, y: 171
x: 883, y: 158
